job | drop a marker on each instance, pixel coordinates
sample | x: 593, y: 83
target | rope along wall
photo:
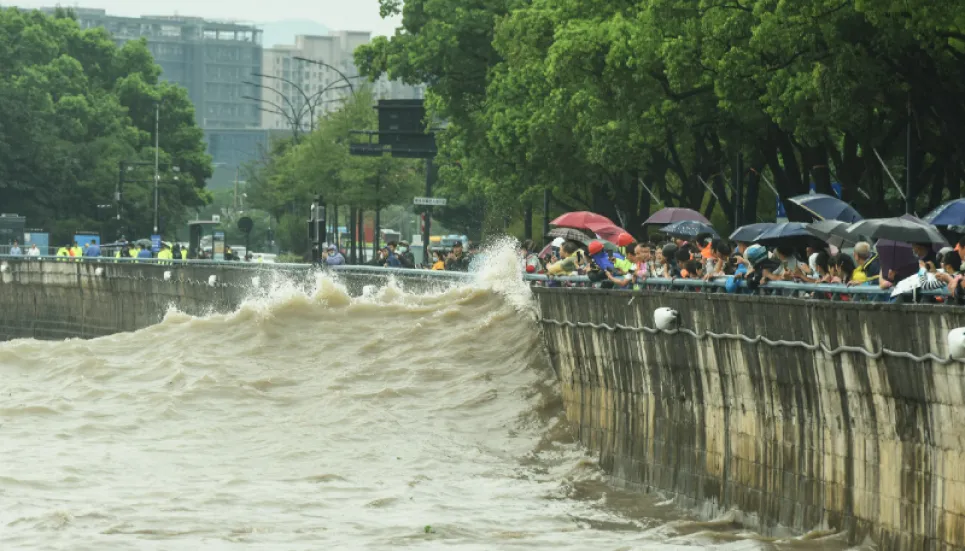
x: 756, y: 340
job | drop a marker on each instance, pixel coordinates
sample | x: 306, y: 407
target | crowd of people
x: 629, y: 265
x: 138, y: 251
x: 399, y: 255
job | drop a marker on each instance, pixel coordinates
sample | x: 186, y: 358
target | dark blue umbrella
x: 951, y: 213
x: 825, y: 207
x: 750, y: 232
x: 688, y: 229
x: 785, y: 231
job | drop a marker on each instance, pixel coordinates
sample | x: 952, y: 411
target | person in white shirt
x: 33, y: 251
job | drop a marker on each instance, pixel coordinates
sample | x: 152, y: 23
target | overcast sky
x: 354, y: 15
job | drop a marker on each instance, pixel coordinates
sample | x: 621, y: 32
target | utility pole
x: 909, y: 162
x: 427, y: 230
x: 157, y: 145
x: 739, y: 190
x: 117, y: 194
x: 377, y: 240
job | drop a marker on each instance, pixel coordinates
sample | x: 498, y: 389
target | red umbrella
x: 608, y: 231
x: 582, y: 220
x: 670, y: 215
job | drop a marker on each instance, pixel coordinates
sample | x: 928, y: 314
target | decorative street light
x: 297, y: 114
x: 326, y: 65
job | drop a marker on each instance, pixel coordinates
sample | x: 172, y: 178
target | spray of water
x: 501, y: 272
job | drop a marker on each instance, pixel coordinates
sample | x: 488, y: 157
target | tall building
x: 294, y: 90
x: 212, y: 60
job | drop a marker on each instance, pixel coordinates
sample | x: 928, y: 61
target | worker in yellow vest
x: 165, y: 255
x: 76, y: 251
x: 62, y: 254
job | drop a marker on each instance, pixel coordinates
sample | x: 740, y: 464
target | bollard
x: 666, y: 319
x: 956, y: 343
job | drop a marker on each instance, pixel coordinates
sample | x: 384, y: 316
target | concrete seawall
x: 56, y: 300
x: 795, y: 435
x: 803, y: 415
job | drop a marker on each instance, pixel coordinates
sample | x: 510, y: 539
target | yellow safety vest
x: 78, y: 252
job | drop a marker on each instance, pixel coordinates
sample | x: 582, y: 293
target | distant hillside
x: 284, y: 32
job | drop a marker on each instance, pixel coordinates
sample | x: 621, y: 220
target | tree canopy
x: 73, y: 106
x: 623, y: 105
x: 320, y: 164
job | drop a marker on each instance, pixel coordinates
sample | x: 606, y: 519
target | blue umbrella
x: 750, y: 232
x: 688, y: 229
x: 951, y: 213
x: 785, y: 231
x: 825, y: 207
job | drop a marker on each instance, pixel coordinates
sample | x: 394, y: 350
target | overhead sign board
x: 430, y: 201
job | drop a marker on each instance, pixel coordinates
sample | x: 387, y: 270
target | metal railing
x: 813, y: 291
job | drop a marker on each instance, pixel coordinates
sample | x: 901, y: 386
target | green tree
x: 320, y: 164
x: 604, y: 103
x: 73, y: 106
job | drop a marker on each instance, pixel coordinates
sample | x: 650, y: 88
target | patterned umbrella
x: 688, y: 229
x: 570, y: 233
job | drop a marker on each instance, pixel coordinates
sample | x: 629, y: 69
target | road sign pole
x: 427, y: 230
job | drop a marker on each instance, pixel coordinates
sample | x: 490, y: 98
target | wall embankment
x: 55, y: 300
x: 810, y: 426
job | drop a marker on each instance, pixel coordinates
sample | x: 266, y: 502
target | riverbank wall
x: 803, y: 415
x: 47, y: 299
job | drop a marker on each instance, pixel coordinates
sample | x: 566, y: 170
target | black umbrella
x: 833, y: 232
x: 785, y: 233
x: 905, y: 229
x: 750, y: 232
x: 825, y: 207
x: 688, y: 229
x: 572, y: 234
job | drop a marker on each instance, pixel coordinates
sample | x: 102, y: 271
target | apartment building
x: 303, y: 81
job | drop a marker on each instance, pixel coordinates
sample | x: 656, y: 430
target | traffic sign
x: 430, y: 201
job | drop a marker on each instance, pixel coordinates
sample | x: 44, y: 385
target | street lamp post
x: 126, y: 166
x: 157, y: 150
